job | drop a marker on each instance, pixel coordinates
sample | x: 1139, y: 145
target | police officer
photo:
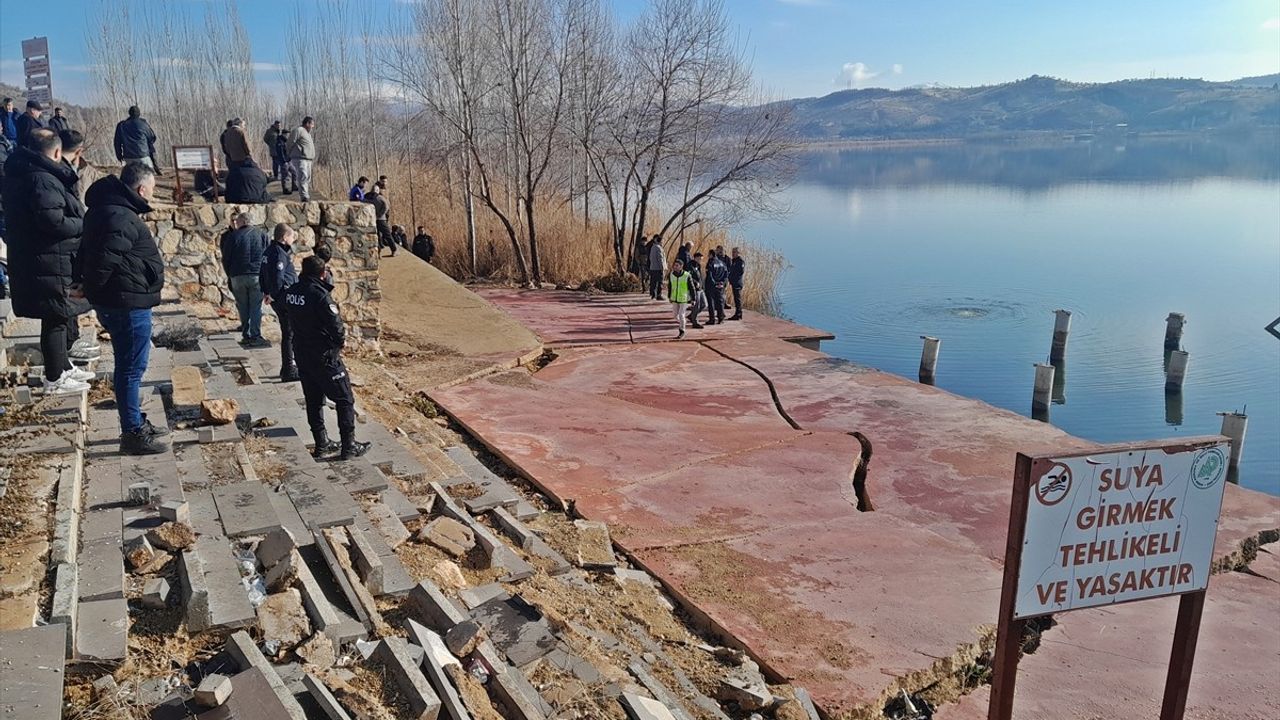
x: 318, y: 338
x: 275, y: 276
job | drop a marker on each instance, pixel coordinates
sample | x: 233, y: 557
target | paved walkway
x: 723, y: 465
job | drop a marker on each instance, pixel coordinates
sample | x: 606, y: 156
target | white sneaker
x: 65, y: 385
x: 86, y: 343
x: 79, y: 374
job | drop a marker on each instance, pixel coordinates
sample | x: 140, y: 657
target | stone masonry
x: 189, y: 236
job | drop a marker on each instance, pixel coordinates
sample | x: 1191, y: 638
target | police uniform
x: 275, y: 276
x: 318, y: 338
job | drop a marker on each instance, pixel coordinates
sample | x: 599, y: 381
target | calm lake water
x: 978, y: 244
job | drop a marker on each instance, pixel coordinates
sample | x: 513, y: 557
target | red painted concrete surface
x: 682, y: 450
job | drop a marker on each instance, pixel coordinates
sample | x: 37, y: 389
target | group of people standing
x: 390, y: 236
x: 692, y: 285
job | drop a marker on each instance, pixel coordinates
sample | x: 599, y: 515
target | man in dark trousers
x: 717, y: 277
x: 424, y: 246
x: 269, y: 139
x: 737, y: 269
x: 275, y: 277
x: 123, y: 273
x: 657, y: 267
x: 699, y: 300
x: 284, y: 168
x: 380, y: 210
x: 318, y: 338
x: 135, y: 141
x: 44, y: 220
x: 242, y: 248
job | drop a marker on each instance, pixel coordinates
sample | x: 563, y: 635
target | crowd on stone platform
x: 692, y: 285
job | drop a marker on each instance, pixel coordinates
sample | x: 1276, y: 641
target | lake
x: 977, y: 244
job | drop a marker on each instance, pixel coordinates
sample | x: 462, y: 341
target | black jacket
x: 424, y: 247
x: 119, y: 262
x: 242, y: 250
x: 737, y: 268
x: 247, y: 184
x: 277, y: 272
x: 25, y: 124
x: 717, y: 272
x: 318, y: 334
x: 58, y: 124
x: 44, y: 220
x: 134, y: 139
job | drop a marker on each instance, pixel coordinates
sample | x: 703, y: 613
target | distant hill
x: 1040, y: 104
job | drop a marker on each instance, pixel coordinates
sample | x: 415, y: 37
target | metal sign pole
x: 1185, y: 634
x: 1004, y: 669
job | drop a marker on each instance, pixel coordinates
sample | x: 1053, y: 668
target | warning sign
x: 1119, y: 525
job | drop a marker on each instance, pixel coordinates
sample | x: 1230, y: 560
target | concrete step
x: 32, y: 674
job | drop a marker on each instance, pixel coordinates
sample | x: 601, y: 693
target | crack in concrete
x: 773, y: 391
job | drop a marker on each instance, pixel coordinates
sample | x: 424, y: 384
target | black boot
x: 353, y: 449
x: 324, y: 446
x: 290, y: 374
x: 141, y: 442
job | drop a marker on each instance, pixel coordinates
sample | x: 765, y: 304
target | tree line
x: 524, y: 106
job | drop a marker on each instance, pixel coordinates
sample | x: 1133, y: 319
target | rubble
x: 220, y: 411
x: 449, y: 575
x: 283, y: 620
x: 139, y: 552
x: 213, y: 690
x: 449, y: 535
x: 318, y: 650
x: 173, y: 535
x: 155, y: 594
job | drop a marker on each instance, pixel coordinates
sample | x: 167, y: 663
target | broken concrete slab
x: 290, y: 518
x: 393, y: 653
x: 434, y: 609
x: 195, y: 593
x: 514, y: 529
x: 511, y: 687
x: 324, y: 698
x: 283, y: 620
x: 155, y: 593
x: 595, y: 549
x: 516, y: 628
x: 229, y: 605
x: 32, y: 673
x: 436, y: 658
x: 102, y: 628
x: 101, y: 572
x: 476, y: 596
x: 335, y: 624
x: 399, y: 504
x: 247, y: 656
x: 338, y: 569
x: 449, y: 535
x: 642, y: 708
x: 275, y: 546
x: 660, y: 692
x: 253, y: 695
x: 245, y: 509
x: 390, y: 526
x: 283, y: 573
x: 213, y: 690
x: 366, y: 560
x: 461, y: 639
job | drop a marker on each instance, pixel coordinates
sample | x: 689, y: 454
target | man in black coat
x: 135, y: 140
x: 123, y: 272
x: 424, y: 246
x: 275, y: 277
x: 717, y: 277
x: 242, y: 248
x: 58, y: 123
x: 318, y: 339
x: 44, y: 220
x: 246, y: 183
x: 737, y: 270
x: 29, y: 121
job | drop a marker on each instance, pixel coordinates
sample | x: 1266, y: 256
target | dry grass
x: 572, y: 251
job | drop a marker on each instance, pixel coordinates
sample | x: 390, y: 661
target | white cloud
x: 1271, y: 24
x: 897, y: 68
x: 855, y: 74
x: 267, y: 67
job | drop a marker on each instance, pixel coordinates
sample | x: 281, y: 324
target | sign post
x: 1109, y: 526
x: 35, y: 68
x: 194, y: 158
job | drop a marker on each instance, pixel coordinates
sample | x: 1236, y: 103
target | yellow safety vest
x: 679, y: 288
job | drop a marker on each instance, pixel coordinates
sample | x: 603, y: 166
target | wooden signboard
x: 194, y: 158
x: 1113, y: 525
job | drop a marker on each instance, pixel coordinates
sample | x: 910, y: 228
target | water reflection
x: 1039, y: 166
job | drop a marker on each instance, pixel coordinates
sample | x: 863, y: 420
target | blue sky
x: 813, y: 47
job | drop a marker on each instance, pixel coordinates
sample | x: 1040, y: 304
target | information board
x: 194, y: 157
x: 1112, y: 527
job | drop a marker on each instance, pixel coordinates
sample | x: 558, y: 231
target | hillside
x: 1040, y: 104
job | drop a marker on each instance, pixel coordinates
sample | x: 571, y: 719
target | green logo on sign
x: 1208, y: 468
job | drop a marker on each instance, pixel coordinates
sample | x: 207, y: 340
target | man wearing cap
x: 29, y: 120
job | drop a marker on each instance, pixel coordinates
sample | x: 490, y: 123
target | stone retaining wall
x: 189, y: 241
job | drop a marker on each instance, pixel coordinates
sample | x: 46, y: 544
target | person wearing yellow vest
x: 680, y: 292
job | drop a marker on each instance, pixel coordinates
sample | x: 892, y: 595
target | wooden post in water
x: 1061, y: 327
x: 1173, y: 330
x: 1177, y: 371
x: 928, y: 358
x: 1233, y: 426
x: 1041, y: 392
